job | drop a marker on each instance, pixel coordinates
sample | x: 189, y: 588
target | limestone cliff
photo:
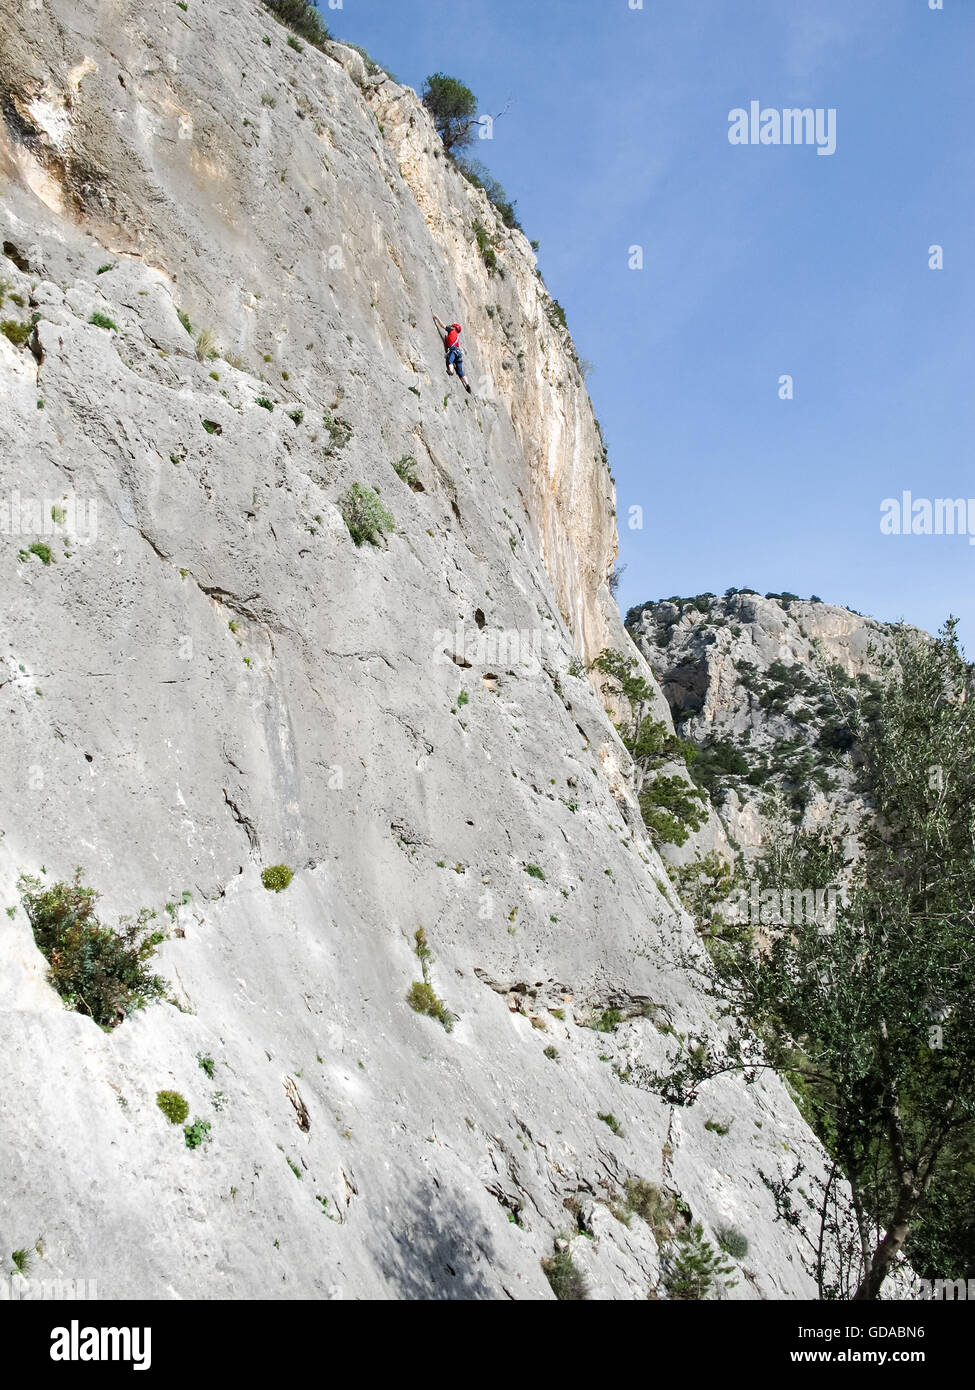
x: 222, y: 257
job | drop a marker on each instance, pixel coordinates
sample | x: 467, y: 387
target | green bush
x: 453, y: 108
x: 692, y: 1266
x: 533, y: 871
x: 421, y: 995
x: 364, y: 515
x: 103, y: 321
x: 423, y: 999
x: 302, y: 18
x: 484, y: 245
x: 566, y: 1280
x: 97, y: 971
x: 173, y: 1106
x: 43, y: 552
x: 671, y: 809
x: 733, y: 1243
x: 276, y: 878
x: 475, y: 172
x: 406, y: 469
x: 195, y: 1133
x: 17, y: 332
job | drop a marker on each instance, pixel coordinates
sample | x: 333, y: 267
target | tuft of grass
x: 552, y: 1052
x: 23, y: 1261
x: 715, y: 1127
x: 205, y: 346
x: 533, y: 871
x: 43, y: 552
x: 294, y: 1167
x: 611, y: 1120
x: 264, y: 403
x: 173, y: 1106
x: 207, y: 1064
x: 102, y: 268
x: 463, y: 698
x: 16, y: 332
x: 296, y: 44
x: 566, y: 1279
x: 101, y: 320
x: 268, y: 100
x: 184, y: 319
x: 606, y: 1021
x: 296, y: 416
x: 276, y: 878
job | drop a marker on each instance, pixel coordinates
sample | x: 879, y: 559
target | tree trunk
x: 896, y: 1234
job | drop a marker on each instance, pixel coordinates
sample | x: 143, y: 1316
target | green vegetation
x: 533, y: 871
x: 475, y: 173
x: 43, y: 552
x: 301, y: 17
x: 453, y: 108
x: 101, y: 320
x: 364, y: 515
x: 612, y: 1122
x: 421, y: 996
x: 96, y: 970
x: 207, y: 1064
x: 692, y: 1266
x: 102, y: 268
x: 339, y: 433
x: 173, y: 1106
x: 405, y: 468
x: 195, y: 1133
x: 566, y: 1280
x: 872, y: 1022
x: 733, y: 1243
x: 23, y: 1261
x: 264, y: 403
x: 606, y: 1021
x: 17, y: 332
x: 277, y: 877
x: 486, y: 248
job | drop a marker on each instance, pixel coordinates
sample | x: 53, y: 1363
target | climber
x: 455, y: 358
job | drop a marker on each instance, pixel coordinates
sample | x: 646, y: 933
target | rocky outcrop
x: 222, y: 255
x: 756, y: 683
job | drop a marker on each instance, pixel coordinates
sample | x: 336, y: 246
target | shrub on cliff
x: 302, y: 18
x: 364, y: 514
x: 96, y: 970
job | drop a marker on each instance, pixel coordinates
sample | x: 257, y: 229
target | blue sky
x: 759, y: 261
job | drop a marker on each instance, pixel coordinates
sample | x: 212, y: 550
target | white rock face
x: 209, y: 677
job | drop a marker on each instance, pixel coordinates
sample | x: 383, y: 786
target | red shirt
x: 453, y: 336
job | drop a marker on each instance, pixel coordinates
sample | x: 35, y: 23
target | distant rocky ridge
x: 751, y: 682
